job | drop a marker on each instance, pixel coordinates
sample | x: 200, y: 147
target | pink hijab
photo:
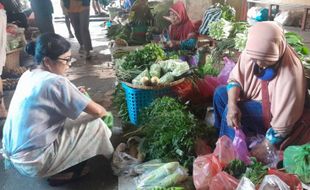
x: 186, y: 28
x: 266, y: 41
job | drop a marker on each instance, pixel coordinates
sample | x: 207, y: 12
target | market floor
x: 98, y: 76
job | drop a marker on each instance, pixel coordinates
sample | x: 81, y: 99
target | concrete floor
x: 98, y: 75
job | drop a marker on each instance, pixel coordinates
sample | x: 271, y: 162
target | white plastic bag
x: 245, y: 184
x: 124, y: 160
x: 167, y: 175
x: 273, y: 182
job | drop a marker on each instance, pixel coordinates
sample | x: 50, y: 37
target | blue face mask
x: 265, y: 74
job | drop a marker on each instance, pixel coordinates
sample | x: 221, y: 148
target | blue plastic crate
x: 140, y: 98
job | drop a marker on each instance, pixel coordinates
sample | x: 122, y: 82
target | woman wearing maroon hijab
x: 182, y: 32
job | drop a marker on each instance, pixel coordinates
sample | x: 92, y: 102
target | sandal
x: 67, y: 177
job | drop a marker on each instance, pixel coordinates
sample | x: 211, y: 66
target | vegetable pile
x: 162, y: 72
x: 170, y: 131
x: 134, y: 63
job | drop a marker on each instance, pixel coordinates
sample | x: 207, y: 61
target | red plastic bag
x: 208, y: 85
x: 224, y: 150
x: 223, y: 181
x: 240, y: 146
x: 290, y: 179
x: 205, y: 167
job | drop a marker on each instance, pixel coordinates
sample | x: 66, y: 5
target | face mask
x: 265, y: 74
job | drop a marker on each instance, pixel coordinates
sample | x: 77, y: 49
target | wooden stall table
x: 13, y: 58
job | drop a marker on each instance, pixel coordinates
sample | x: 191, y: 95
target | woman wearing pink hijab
x: 266, y: 89
x: 182, y: 32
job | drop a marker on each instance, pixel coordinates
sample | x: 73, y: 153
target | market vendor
x: 266, y: 89
x: 182, y: 33
x: 52, y: 126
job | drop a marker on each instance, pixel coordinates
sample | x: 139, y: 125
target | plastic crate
x: 139, y: 98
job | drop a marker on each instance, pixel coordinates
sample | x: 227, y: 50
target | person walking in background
x: 14, y: 13
x: 43, y: 10
x: 67, y: 19
x: 96, y: 7
x: 79, y: 16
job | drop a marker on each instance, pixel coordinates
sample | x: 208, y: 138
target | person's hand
x: 82, y: 89
x: 233, y: 116
x: 265, y: 152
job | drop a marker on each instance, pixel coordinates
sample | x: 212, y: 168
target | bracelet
x: 231, y: 85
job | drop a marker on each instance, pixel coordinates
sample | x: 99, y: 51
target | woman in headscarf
x: 266, y: 90
x: 52, y: 128
x: 182, y: 32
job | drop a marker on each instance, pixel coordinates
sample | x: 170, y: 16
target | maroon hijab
x: 185, y: 29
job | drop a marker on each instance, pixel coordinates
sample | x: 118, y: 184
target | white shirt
x: 41, y: 103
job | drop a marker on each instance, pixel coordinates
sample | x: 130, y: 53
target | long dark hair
x: 47, y: 45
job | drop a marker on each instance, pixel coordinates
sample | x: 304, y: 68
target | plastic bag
x: 204, y: 168
x: 181, y: 68
x: 223, y: 181
x: 167, y: 175
x: 155, y: 70
x: 245, y: 184
x: 290, y: 179
x: 166, y: 78
x: 209, y: 84
x: 148, y: 166
x: 109, y: 120
x: 289, y: 17
x: 224, y: 150
x: 272, y: 182
x: 126, y: 156
x: 296, y: 161
x: 240, y: 147
x: 266, y: 153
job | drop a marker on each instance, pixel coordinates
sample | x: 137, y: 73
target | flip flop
x: 64, y: 178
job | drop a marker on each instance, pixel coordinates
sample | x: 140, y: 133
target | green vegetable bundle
x: 236, y: 168
x: 170, y: 131
x: 160, y: 10
x: 136, y: 62
x: 221, y: 29
x: 256, y: 171
x: 119, y: 102
x: 296, y: 41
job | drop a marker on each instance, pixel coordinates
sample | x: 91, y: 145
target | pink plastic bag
x: 205, y: 167
x: 223, y: 181
x: 224, y: 150
x: 240, y: 146
x: 208, y: 85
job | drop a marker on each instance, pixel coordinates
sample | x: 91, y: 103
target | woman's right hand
x: 233, y: 116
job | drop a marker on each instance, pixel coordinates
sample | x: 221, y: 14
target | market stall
x: 160, y: 94
x: 14, y: 46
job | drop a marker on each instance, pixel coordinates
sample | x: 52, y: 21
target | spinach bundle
x: 170, y: 131
x: 119, y: 102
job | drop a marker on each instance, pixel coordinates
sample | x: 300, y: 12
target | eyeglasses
x: 68, y: 61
